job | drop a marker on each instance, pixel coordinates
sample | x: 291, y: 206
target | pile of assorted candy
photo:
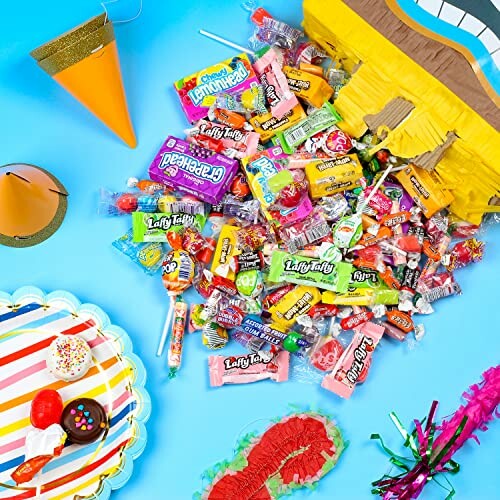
x: 301, y: 242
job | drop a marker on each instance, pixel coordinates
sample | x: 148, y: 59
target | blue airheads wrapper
x: 193, y: 169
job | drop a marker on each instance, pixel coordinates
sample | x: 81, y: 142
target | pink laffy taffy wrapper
x: 356, y: 357
x: 248, y: 368
x: 279, y: 96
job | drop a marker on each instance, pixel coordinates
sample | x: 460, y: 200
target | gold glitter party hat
x: 85, y: 62
x: 33, y: 204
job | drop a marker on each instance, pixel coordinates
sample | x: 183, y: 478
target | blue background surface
x: 193, y: 426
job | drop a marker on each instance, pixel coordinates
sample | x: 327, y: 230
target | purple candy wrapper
x: 193, y: 169
x: 396, y: 192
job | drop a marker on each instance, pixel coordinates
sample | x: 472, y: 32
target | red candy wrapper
x: 464, y: 253
x: 248, y: 368
x: 353, y: 361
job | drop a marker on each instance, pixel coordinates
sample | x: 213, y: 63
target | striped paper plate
x: 29, y: 321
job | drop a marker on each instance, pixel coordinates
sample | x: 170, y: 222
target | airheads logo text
x: 170, y: 162
x: 214, y: 83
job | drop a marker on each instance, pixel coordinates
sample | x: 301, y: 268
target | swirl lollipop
x: 177, y: 275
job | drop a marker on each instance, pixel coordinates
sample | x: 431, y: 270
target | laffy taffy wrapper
x: 353, y: 361
x: 248, y: 368
x: 193, y: 169
x: 197, y: 91
x: 224, y: 139
x: 301, y: 270
x: 153, y: 227
x: 278, y: 94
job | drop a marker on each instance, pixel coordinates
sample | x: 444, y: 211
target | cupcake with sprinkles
x: 69, y: 358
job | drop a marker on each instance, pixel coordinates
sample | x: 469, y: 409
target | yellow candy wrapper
x: 267, y: 125
x: 311, y: 88
x: 327, y: 177
x: 294, y: 304
x: 225, y: 250
x: 425, y: 188
x: 361, y: 297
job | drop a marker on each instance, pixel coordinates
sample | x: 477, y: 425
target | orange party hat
x: 32, y: 205
x: 85, y: 62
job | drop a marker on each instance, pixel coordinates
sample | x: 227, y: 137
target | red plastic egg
x: 46, y: 409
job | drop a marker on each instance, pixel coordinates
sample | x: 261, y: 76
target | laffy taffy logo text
x: 221, y: 81
x: 244, y: 362
x: 303, y: 267
x: 170, y: 162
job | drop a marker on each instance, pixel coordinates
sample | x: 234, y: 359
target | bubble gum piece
x: 248, y: 368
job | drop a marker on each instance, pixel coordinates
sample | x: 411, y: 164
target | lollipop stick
x: 375, y: 189
x: 166, y: 327
x: 219, y: 39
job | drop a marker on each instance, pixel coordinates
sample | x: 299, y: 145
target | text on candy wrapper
x: 218, y: 82
x: 211, y: 173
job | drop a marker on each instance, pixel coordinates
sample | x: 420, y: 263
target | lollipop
x: 177, y: 275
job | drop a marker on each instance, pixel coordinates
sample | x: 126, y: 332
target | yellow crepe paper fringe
x: 470, y: 167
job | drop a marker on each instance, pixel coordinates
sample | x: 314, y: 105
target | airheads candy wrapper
x: 327, y: 177
x: 153, y: 227
x: 312, y: 88
x: 426, y: 189
x: 259, y: 169
x: 267, y: 125
x: 197, y: 91
x: 227, y: 248
x: 301, y: 270
x: 193, y: 169
x: 294, y: 304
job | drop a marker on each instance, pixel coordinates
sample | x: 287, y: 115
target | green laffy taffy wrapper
x: 334, y: 276
x: 154, y: 226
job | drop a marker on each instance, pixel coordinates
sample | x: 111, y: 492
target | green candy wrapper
x: 334, y: 276
x: 153, y: 227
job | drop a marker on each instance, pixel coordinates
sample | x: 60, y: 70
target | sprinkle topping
x: 70, y: 357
